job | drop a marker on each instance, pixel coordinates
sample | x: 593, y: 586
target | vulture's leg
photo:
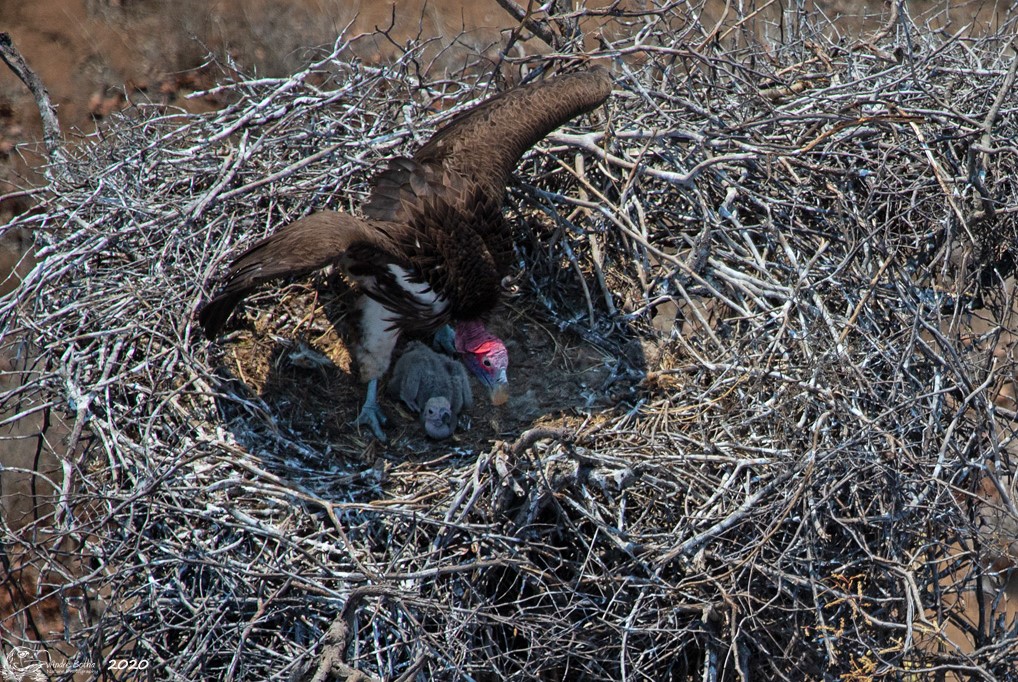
x: 445, y: 340
x: 371, y: 414
x: 373, y: 353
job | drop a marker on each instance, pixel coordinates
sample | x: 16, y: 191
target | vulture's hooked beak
x: 499, y: 389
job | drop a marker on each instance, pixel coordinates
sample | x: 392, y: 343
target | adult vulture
x: 433, y: 248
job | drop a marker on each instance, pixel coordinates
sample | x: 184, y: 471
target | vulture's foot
x: 445, y: 341
x: 371, y: 414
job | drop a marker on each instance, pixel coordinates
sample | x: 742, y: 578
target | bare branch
x: 52, y: 136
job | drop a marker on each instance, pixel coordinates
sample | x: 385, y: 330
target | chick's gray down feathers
x: 432, y: 384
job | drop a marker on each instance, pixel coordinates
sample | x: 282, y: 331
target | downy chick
x: 432, y: 384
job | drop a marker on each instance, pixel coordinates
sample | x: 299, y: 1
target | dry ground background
x: 646, y: 511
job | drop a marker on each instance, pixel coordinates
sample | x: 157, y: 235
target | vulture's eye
x: 487, y: 362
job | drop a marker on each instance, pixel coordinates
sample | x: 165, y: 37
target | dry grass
x: 764, y: 430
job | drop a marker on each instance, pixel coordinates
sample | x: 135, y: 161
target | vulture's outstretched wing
x: 468, y: 161
x: 304, y: 246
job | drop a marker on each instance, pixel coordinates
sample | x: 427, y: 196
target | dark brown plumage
x: 434, y: 247
x: 304, y: 246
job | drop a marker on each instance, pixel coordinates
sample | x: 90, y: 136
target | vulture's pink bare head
x: 485, y: 356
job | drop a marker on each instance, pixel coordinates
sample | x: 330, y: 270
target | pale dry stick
x: 259, y: 108
x: 597, y: 257
x: 740, y: 282
x: 634, y: 234
x: 714, y: 504
x: 231, y: 164
x: 748, y: 283
x: 743, y: 20
x: 991, y: 119
x: 586, y: 142
x: 289, y: 488
x: 575, y: 262
x: 802, y: 274
x: 799, y: 492
x: 523, y: 16
x: 864, y: 299
x: 1006, y: 496
x: 627, y: 546
x: 690, y: 546
x: 828, y: 644
x: 826, y: 393
x: 916, y: 612
x: 57, y: 249
x: 917, y: 499
x: 233, y: 88
x: 263, y: 604
x: 242, y: 87
x: 628, y: 627
x: 51, y: 134
x: 862, y: 121
x: 889, y: 25
x: 281, y: 174
x: 705, y: 326
x: 947, y: 354
x: 640, y: 268
x: 710, y: 35
x: 758, y: 263
x: 331, y: 660
x: 27, y: 388
x: 993, y: 115
x: 829, y: 323
x: 618, y: 8
x: 82, y: 402
x: 474, y: 485
x: 939, y: 174
x: 578, y: 172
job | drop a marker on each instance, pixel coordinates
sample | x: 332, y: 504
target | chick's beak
x: 500, y: 389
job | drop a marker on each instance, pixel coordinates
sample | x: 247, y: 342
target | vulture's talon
x: 371, y: 416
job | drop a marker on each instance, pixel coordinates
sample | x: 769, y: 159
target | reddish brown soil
x: 96, y: 56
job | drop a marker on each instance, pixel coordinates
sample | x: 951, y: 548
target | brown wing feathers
x: 438, y: 214
x: 488, y: 140
x: 304, y: 246
x: 478, y: 149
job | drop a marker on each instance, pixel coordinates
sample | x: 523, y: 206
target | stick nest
x: 761, y: 329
